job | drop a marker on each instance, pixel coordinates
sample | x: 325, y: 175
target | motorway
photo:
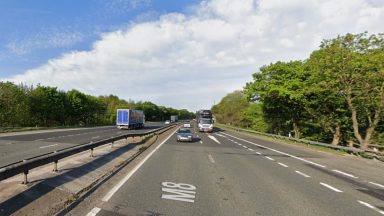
x: 230, y: 173
x: 15, y: 147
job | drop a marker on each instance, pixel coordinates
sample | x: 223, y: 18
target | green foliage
x: 22, y: 106
x: 279, y: 87
x: 234, y: 109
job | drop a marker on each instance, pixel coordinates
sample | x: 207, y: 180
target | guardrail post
x: 91, y: 155
x: 112, y: 144
x: 25, y: 177
x: 55, y: 166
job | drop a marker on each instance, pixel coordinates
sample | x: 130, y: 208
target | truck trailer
x: 130, y: 119
x: 174, y: 118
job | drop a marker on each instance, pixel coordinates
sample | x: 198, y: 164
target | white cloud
x: 190, y: 61
x: 55, y: 37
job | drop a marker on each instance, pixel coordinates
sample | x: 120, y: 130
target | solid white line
x: 303, y: 174
x: 298, y: 158
x: 382, y: 186
x: 344, y: 173
x: 42, y: 147
x: 214, y: 139
x: 269, y: 158
x: 330, y: 187
x: 371, y: 207
x: 94, y: 211
x: 282, y: 164
x: 258, y: 153
x: 122, y: 182
x: 211, y: 158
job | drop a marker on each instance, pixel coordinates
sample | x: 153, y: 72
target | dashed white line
x: 377, y: 184
x: 277, y: 151
x: 303, y: 174
x: 250, y: 149
x: 269, y: 158
x: 211, y: 158
x: 258, y: 153
x: 344, y: 173
x: 284, y: 165
x: 245, y: 147
x: 371, y: 207
x: 95, y: 137
x: 330, y: 187
x: 42, y: 147
x: 201, y: 142
x: 94, y: 211
x: 128, y: 176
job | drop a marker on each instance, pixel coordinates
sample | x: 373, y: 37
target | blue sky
x: 183, y: 54
x: 33, y: 31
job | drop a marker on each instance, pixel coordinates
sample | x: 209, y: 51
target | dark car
x: 184, y: 134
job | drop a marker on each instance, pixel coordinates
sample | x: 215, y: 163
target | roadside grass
x: 283, y: 141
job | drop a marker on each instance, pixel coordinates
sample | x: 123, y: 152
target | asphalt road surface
x: 228, y: 173
x: 15, y: 147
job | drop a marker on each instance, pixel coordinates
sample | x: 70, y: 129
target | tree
x: 230, y: 110
x: 352, y: 66
x: 279, y: 87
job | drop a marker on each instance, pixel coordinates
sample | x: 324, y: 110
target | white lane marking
x: 303, y: 174
x: 282, y: 164
x: 344, y: 173
x: 211, y: 158
x: 371, y: 207
x: 201, y: 142
x: 94, y: 211
x: 214, y: 139
x: 178, y: 191
x: 330, y: 187
x: 239, y: 144
x: 126, y: 178
x: 269, y: 158
x: 298, y: 158
x: 245, y: 147
x: 258, y: 153
x: 377, y: 184
x: 250, y: 149
x: 42, y: 147
x: 95, y: 137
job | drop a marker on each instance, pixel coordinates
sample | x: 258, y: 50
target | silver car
x: 184, y: 134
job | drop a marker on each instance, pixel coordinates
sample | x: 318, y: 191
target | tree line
x: 336, y: 95
x: 44, y: 106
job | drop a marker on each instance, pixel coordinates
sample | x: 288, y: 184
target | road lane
x: 14, y: 148
x: 228, y: 179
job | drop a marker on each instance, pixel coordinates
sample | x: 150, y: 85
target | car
x: 187, y: 125
x: 167, y: 122
x: 184, y: 134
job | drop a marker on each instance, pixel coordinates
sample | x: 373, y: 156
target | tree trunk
x: 296, y: 130
x: 336, y: 135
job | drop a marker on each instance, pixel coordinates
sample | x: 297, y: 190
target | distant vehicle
x: 187, y: 125
x: 167, y: 122
x: 205, y: 125
x: 130, y: 119
x: 204, y: 120
x: 184, y: 134
x: 174, y: 118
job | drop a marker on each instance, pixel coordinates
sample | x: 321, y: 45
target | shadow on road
x: 45, y: 186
